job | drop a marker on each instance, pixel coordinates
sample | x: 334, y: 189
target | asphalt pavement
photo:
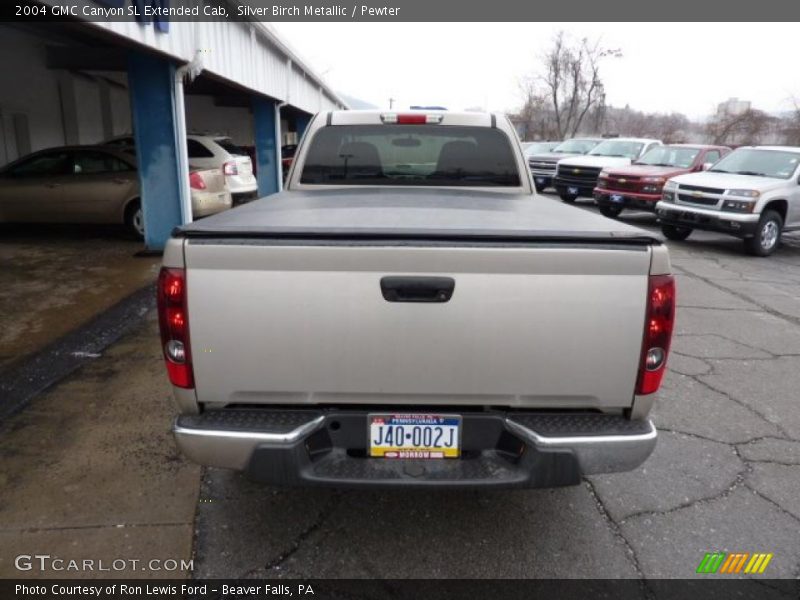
x: 725, y: 475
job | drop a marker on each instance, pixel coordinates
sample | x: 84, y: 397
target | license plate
x: 617, y: 198
x: 414, y: 436
x: 540, y: 180
x: 572, y: 190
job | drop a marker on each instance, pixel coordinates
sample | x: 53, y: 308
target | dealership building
x: 82, y: 82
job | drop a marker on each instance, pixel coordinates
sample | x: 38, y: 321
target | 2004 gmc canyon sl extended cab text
x: 409, y: 313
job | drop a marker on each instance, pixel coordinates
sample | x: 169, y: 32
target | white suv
x: 753, y: 193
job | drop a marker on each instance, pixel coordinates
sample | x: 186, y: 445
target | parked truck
x: 408, y: 313
x: 753, y: 193
x: 639, y: 185
x: 577, y: 176
x: 543, y: 165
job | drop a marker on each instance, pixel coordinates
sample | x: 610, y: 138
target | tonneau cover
x: 414, y: 213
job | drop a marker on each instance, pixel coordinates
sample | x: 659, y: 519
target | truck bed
x: 415, y: 213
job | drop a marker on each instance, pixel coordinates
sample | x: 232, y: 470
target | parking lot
x: 89, y: 467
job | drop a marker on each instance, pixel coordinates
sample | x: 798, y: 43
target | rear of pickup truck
x: 415, y: 337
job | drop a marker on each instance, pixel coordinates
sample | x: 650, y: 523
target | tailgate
x: 526, y: 326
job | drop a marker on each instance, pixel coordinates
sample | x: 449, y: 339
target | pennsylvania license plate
x: 616, y: 198
x: 414, y: 436
x: 572, y: 190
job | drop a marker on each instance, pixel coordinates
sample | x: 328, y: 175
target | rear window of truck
x: 427, y: 155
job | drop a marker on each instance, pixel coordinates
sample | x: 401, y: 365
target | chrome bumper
x: 597, y: 453
x: 501, y: 449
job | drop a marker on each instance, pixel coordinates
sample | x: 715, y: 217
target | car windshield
x: 230, y: 147
x: 576, y: 146
x: 539, y: 148
x: 427, y: 155
x: 777, y: 164
x: 669, y: 156
x: 617, y: 148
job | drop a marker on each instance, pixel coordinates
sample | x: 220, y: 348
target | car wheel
x: 134, y: 219
x: 612, y: 212
x: 767, y: 236
x: 677, y: 234
x: 568, y: 198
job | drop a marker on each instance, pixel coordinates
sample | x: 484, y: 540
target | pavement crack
x: 697, y: 435
x: 744, y: 405
x: 744, y: 297
x: 763, y: 496
x: 738, y: 481
x: 616, y: 531
x: 297, y: 542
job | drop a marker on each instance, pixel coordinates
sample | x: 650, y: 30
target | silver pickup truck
x: 409, y: 313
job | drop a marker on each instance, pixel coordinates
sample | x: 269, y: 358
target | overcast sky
x: 665, y: 66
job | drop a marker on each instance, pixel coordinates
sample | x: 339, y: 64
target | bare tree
x: 572, y: 80
x: 739, y: 128
x: 791, y: 125
x: 535, y: 115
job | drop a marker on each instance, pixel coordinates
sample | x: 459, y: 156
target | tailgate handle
x: 417, y: 289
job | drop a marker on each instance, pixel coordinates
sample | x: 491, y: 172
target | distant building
x: 733, y: 106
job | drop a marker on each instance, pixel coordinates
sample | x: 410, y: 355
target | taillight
x: 174, y: 322
x: 659, y: 321
x: 196, y: 181
x: 230, y: 168
x: 410, y: 119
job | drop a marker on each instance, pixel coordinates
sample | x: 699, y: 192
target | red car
x: 639, y: 185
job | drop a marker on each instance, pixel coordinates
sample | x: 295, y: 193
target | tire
x: 612, y: 212
x: 134, y: 220
x: 767, y: 236
x: 675, y: 233
x: 568, y: 198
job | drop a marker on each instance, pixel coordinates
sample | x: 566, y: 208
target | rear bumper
x: 209, y: 203
x: 242, y: 197
x: 680, y: 215
x: 499, y: 449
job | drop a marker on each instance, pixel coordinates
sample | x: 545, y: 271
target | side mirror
x: 707, y: 166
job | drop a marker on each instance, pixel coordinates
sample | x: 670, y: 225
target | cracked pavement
x: 725, y: 475
x: 89, y: 468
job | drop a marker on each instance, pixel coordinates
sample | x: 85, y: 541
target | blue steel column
x: 267, y: 147
x: 300, y: 123
x: 152, y: 90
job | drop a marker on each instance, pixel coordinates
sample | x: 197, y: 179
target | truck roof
x: 781, y: 148
x: 631, y: 139
x: 700, y: 146
x: 376, y: 117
